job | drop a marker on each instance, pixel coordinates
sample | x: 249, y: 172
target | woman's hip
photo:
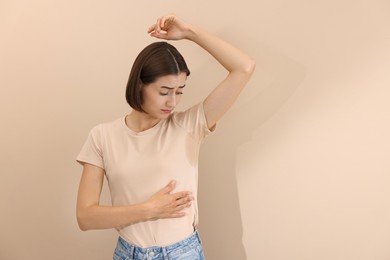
x: 187, y: 249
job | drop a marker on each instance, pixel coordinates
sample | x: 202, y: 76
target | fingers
x: 151, y: 28
x: 181, y: 204
x: 164, y: 22
x: 156, y: 28
x: 155, y: 31
x: 169, y: 187
x: 162, y: 25
x: 179, y: 196
x: 183, y: 201
x: 165, y: 204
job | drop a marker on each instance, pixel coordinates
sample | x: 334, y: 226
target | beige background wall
x: 299, y: 168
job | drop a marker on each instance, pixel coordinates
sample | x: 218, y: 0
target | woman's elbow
x: 82, y: 221
x: 83, y: 227
x: 247, y: 68
x: 250, y: 66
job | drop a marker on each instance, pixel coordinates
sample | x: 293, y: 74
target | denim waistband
x: 156, y: 250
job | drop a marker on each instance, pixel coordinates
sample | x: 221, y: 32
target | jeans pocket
x: 121, y: 253
x: 192, y: 253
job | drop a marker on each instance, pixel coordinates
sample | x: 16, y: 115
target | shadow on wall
x: 275, y: 80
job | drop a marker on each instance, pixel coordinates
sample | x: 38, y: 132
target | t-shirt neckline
x: 134, y: 133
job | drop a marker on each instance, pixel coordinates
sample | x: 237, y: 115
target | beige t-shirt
x: 137, y: 165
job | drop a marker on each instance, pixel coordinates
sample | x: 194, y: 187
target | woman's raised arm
x: 239, y: 65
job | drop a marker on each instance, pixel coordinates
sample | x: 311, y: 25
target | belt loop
x: 132, y: 252
x: 165, y: 254
x: 198, y: 236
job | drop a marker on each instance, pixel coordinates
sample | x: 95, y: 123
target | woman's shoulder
x: 108, y: 126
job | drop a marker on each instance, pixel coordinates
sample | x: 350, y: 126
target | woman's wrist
x: 146, y: 211
x: 192, y: 33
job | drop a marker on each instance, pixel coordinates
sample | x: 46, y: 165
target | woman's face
x: 161, y: 97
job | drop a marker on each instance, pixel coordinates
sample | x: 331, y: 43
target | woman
x: 150, y: 156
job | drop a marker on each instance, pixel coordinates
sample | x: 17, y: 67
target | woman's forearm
x: 231, y: 58
x: 107, y: 217
x: 92, y: 215
x: 239, y: 65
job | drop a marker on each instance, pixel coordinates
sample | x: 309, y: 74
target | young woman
x: 150, y: 156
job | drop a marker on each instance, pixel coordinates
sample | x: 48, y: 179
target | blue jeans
x: 187, y: 249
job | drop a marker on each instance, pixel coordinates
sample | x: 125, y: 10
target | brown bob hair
x: 155, y: 60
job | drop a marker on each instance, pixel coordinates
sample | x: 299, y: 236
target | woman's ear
x: 140, y: 86
x: 140, y: 94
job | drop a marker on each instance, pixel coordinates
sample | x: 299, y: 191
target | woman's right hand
x: 164, y: 204
x: 170, y: 27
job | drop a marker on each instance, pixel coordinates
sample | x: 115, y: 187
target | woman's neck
x: 140, y: 121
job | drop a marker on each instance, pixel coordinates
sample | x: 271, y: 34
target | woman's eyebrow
x: 172, y: 87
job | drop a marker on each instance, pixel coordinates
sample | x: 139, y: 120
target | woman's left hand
x: 169, y: 27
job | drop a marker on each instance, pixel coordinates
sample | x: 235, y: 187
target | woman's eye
x: 166, y: 94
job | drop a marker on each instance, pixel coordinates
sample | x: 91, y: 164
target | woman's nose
x: 171, y: 102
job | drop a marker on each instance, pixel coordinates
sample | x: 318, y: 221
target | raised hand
x: 169, y: 27
x: 164, y: 204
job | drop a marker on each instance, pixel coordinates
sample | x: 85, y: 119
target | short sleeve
x: 194, y: 121
x: 91, y: 152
